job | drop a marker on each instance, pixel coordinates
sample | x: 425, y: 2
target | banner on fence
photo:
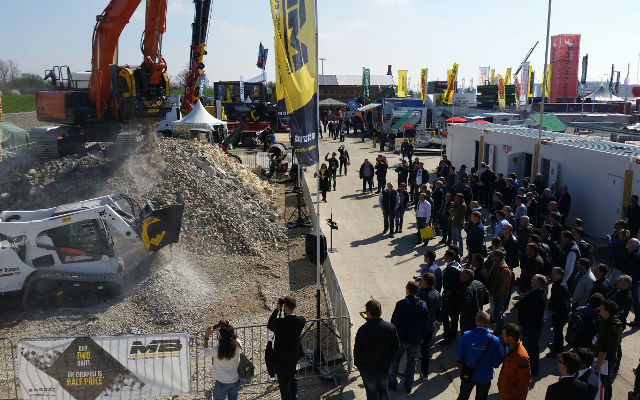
x: 104, y: 367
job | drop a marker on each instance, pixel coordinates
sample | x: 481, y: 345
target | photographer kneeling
x: 226, y: 358
x: 287, y: 346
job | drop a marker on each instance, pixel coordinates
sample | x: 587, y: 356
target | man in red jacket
x: 515, y: 375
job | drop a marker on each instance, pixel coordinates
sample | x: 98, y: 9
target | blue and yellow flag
x: 297, y: 69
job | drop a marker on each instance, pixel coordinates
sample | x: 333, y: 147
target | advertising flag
x: 297, y: 63
x: 203, y: 79
x: 366, y: 79
x: 547, y: 86
x: 451, y: 83
x: 507, y: 77
x: 530, y: 83
x: 262, y: 57
x: 241, y: 89
x: 501, y: 92
x: 484, y: 75
x: 524, y: 81
x: 493, y: 76
x: 585, y: 63
x: 517, y: 91
x: 423, y: 85
x: 402, y: 83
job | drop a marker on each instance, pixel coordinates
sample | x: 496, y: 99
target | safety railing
x: 253, y: 159
x: 328, y: 360
x: 333, y: 291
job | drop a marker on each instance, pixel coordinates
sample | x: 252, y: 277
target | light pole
x: 322, y: 64
x: 544, y: 75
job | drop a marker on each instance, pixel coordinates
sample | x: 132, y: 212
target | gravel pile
x: 231, y: 249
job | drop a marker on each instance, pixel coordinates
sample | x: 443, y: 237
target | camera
x: 280, y: 301
x: 417, y: 278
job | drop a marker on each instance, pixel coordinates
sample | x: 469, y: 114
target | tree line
x: 14, y: 81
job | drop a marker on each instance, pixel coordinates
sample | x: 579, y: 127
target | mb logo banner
x: 101, y: 367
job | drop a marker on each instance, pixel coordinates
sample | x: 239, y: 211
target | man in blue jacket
x: 411, y: 319
x: 482, y: 352
x: 475, y: 236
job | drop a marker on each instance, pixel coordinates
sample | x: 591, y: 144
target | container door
x: 553, y: 172
x: 516, y: 164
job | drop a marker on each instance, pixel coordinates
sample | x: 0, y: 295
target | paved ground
x: 368, y: 264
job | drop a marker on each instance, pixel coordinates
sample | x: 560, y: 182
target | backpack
x: 586, y: 250
x: 582, y: 322
x: 545, y: 253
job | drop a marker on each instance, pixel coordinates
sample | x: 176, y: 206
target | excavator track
x: 51, y: 290
x: 45, y: 144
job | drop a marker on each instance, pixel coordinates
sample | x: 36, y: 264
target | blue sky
x: 409, y: 34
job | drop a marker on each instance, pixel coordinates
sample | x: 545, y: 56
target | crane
x: 526, y: 57
x: 95, y: 108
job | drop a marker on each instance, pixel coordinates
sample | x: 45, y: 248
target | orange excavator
x: 97, y: 106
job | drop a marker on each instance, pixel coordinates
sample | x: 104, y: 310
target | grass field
x: 13, y: 103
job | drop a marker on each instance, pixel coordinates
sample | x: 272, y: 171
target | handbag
x: 466, y: 372
x: 271, y: 359
x: 246, y: 369
x: 427, y: 233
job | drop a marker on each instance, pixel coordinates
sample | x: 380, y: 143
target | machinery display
x: 97, y: 106
x: 67, y: 254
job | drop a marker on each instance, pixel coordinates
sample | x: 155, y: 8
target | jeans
x: 530, y: 338
x: 450, y: 317
x: 558, y: 322
x: 343, y: 163
x: 376, y: 386
x: 221, y: 391
x: 456, y: 237
x: 367, y: 180
x: 382, y: 145
x: 636, y: 302
x: 412, y: 355
x: 399, y: 217
x: 421, y: 222
x: 332, y: 176
x: 389, y: 218
x: 425, y: 353
x: 607, y: 380
x: 482, y: 390
x: 382, y: 182
x: 498, y: 314
x: 446, y: 230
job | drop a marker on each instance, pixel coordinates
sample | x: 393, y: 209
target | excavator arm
x: 197, y: 52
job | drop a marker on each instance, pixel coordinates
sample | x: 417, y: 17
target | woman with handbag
x: 225, y: 361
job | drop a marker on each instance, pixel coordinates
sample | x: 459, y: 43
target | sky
x: 408, y: 34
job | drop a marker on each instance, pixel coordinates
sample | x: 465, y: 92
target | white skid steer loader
x: 66, y: 254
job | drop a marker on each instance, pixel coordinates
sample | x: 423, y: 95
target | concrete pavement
x: 368, y: 264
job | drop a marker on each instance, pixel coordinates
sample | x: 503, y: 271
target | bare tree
x: 4, y: 72
x: 14, y: 71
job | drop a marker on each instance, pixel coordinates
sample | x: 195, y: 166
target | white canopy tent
x: 602, y: 95
x: 200, y: 118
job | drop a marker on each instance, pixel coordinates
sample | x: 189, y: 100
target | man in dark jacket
x: 631, y: 267
x: 607, y: 347
x: 559, y: 306
x: 432, y: 299
x: 510, y: 246
x: 403, y: 170
x: 531, y: 319
x: 475, y: 236
x: 586, y: 373
x: 564, y: 204
x: 488, y: 179
x: 381, y: 172
x: 333, y: 167
x: 450, y: 304
x: 569, y: 254
x: 366, y: 174
x: 622, y: 297
x: 411, y: 319
x: 417, y: 178
x: 389, y: 202
x: 633, y: 216
x: 534, y: 264
x: 473, y: 295
x: 601, y: 284
x: 287, y: 345
x: 406, y: 149
x: 568, y: 387
x: 375, y: 347
x: 438, y: 200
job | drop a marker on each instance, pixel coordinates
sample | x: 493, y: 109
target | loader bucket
x: 161, y: 227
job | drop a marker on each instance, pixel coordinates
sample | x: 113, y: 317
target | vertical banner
x: 585, y: 63
x: 516, y: 85
x: 402, y: 83
x: 493, y: 77
x: 203, y: 79
x: 423, y: 85
x: 484, y: 75
x: 507, y: 77
x: 451, y: 83
x: 501, y: 92
x: 530, y: 83
x: 366, y: 80
x: 547, y: 86
x: 297, y: 63
x: 241, y: 89
x: 524, y: 82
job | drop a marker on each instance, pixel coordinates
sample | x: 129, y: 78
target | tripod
x: 300, y: 215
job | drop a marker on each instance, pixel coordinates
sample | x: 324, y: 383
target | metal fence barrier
x: 337, y: 304
x: 328, y: 361
x: 253, y: 159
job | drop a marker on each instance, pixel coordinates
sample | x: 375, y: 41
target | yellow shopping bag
x: 427, y: 233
